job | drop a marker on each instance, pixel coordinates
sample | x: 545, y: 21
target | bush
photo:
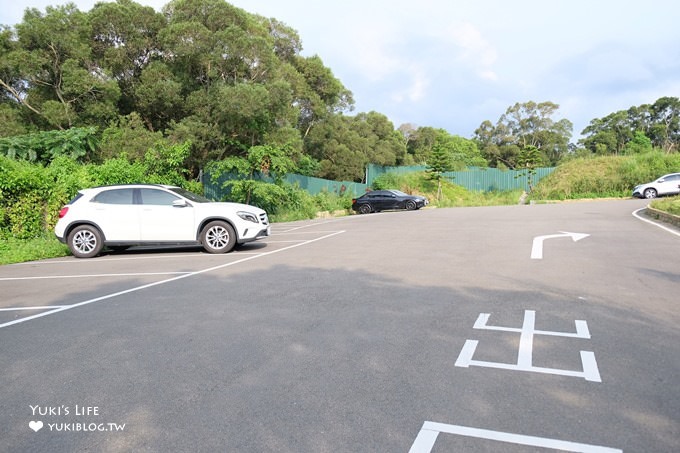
x: 32, y: 194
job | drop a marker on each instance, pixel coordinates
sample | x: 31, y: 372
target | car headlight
x: 245, y: 215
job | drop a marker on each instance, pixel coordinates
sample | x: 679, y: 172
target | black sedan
x: 382, y: 200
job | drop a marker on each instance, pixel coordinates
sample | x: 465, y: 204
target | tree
x: 52, y: 73
x: 317, y: 92
x: 343, y: 145
x: 245, y: 185
x: 463, y: 152
x: 608, y: 135
x: 528, y: 160
x: 659, y: 122
x: 664, y: 129
x: 124, y: 40
x: 522, y: 125
x: 44, y: 146
x: 130, y: 137
x: 439, y: 162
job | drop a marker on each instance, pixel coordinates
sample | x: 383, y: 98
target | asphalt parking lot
x: 433, y: 330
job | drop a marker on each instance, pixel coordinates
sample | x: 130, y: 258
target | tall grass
x: 605, y: 176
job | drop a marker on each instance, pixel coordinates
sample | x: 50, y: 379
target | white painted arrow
x: 537, y: 246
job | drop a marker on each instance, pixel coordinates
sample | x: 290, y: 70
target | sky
x: 453, y: 64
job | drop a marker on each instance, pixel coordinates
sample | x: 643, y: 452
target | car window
x: 190, y: 195
x: 115, y: 196
x: 78, y: 196
x: 157, y: 197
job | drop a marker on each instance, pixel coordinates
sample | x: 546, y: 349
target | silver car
x: 666, y: 185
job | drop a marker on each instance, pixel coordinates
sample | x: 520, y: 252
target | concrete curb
x: 663, y: 216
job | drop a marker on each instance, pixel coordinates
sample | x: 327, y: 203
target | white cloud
x: 474, y: 47
x: 455, y: 64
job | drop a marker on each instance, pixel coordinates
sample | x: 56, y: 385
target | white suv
x: 665, y: 185
x: 146, y: 214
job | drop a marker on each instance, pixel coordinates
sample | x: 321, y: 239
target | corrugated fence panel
x: 318, y: 185
x: 479, y: 179
x: 216, y: 190
x: 484, y: 180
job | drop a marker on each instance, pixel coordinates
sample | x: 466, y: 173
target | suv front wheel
x: 85, y: 241
x: 218, y: 237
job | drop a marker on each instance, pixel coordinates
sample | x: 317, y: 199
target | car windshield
x: 190, y: 195
x: 399, y: 192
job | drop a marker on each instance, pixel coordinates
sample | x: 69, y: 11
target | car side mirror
x: 180, y: 203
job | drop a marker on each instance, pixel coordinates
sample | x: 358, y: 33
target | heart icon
x: 35, y: 426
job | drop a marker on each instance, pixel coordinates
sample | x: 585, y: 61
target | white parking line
x: 430, y: 431
x: 49, y: 277
x: 106, y: 259
x: 48, y: 307
x: 150, y: 285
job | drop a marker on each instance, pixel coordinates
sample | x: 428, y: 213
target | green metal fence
x: 215, y: 190
x: 478, y: 179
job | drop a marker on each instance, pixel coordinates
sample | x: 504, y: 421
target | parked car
x: 666, y: 185
x: 382, y: 200
x: 146, y: 214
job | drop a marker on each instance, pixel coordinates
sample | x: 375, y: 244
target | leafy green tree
x: 522, y: 125
x: 56, y: 78
x: 528, y: 160
x: 420, y: 143
x: 124, y: 41
x: 659, y: 122
x: 246, y: 183
x: 158, y: 97
x: 464, y: 152
x: 639, y: 144
x: 129, y: 137
x: 317, y: 92
x: 608, y: 135
x: 664, y: 131
x: 44, y: 146
x: 440, y: 161
x: 343, y: 145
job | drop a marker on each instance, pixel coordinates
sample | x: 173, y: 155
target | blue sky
x: 455, y: 63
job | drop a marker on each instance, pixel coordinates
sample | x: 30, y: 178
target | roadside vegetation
x: 605, y: 176
x: 670, y: 205
x: 115, y: 95
x: 32, y: 194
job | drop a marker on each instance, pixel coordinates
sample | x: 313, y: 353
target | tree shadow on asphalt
x: 288, y: 358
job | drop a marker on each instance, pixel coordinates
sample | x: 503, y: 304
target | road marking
x: 168, y: 254
x: 639, y: 217
x: 47, y: 307
x: 429, y: 432
x: 162, y: 282
x: 525, y: 354
x: 537, y: 245
x: 131, y: 274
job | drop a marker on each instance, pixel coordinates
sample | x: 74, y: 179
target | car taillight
x: 63, y: 211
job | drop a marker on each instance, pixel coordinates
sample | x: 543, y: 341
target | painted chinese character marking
x: 524, y: 356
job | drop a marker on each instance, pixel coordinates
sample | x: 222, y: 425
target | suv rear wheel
x: 218, y: 237
x: 85, y: 241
